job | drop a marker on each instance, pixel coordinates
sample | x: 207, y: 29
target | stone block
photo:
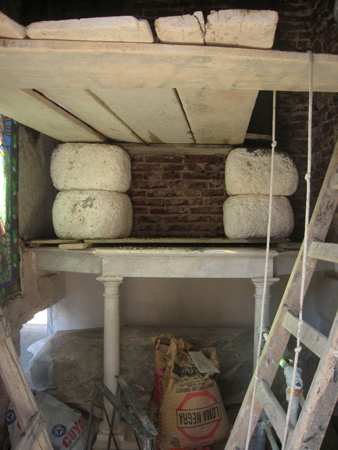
x: 112, y: 29
x: 241, y: 28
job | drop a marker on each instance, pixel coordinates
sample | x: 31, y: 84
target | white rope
x: 273, y: 146
x: 305, y: 249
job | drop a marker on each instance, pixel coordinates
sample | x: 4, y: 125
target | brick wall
x: 178, y: 195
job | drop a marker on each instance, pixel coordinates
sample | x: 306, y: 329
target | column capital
x: 260, y: 280
x: 110, y: 279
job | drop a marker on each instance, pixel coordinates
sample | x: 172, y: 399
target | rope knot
x: 298, y: 349
x: 274, y: 144
x: 307, y: 177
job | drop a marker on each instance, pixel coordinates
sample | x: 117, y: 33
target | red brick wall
x: 177, y: 198
x: 178, y: 195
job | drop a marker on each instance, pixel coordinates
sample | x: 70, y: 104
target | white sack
x: 90, y: 166
x: 66, y: 428
x: 92, y: 215
x: 246, y: 216
x: 248, y: 172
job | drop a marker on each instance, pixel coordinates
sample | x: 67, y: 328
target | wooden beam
x: 86, y: 65
x: 175, y: 149
x: 35, y: 111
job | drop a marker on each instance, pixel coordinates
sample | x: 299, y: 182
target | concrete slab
x: 112, y: 29
x: 187, y: 29
x: 241, y: 28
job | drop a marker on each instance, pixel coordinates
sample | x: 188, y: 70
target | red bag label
x: 188, y: 417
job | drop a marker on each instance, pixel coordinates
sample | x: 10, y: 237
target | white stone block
x: 90, y: 166
x: 112, y: 29
x: 11, y: 29
x: 92, y: 215
x: 246, y: 216
x: 187, y: 29
x: 241, y: 28
x: 248, y: 172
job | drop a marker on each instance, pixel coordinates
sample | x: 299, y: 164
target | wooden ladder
x: 34, y: 435
x: 314, y: 418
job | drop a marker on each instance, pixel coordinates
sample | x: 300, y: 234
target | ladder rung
x: 33, y: 431
x: 324, y: 251
x: 273, y: 409
x: 311, y: 337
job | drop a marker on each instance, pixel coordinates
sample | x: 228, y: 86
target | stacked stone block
x: 93, y: 180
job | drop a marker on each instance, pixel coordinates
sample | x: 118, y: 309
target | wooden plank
x: 40, y: 242
x: 11, y: 29
x: 220, y: 117
x: 155, y: 115
x: 309, y: 336
x: 79, y: 246
x: 272, y: 408
x: 92, y: 110
x: 35, y: 111
x: 33, y: 431
x: 113, y: 29
x: 321, y: 399
x: 16, y: 385
x: 278, y: 337
x: 173, y: 240
x: 324, y: 251
x: 85, y: 65
x: 176, y: 149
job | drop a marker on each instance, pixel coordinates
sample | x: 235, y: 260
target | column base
x: 124, y: 437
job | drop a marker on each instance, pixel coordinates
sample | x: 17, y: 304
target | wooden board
x: 104, y: 65
x: 220, y: 117
x: 176, y: 149
x: 35, y: 111
x: 155, y: 115
x: 11, y: 29
x: 88, y: 107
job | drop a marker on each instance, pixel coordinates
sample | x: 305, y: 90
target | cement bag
x: 66, y: 428
x: 192, y: 413
x: 161, y: 346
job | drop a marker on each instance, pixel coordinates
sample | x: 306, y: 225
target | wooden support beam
x: 104, y: 65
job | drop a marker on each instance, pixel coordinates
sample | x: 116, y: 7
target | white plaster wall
x: 157, y: 302
x: 185, y: 302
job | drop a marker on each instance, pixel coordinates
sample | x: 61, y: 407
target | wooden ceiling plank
x: 11, y: 29
x: 93, y: 111
x: 176, y: 149
x: 104, y: 65
x: 155, y: 115
x: 220, y: 117
x: 35, y: 111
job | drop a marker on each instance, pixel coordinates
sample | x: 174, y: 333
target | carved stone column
x: 258, y: 295
x: 111, y: 351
